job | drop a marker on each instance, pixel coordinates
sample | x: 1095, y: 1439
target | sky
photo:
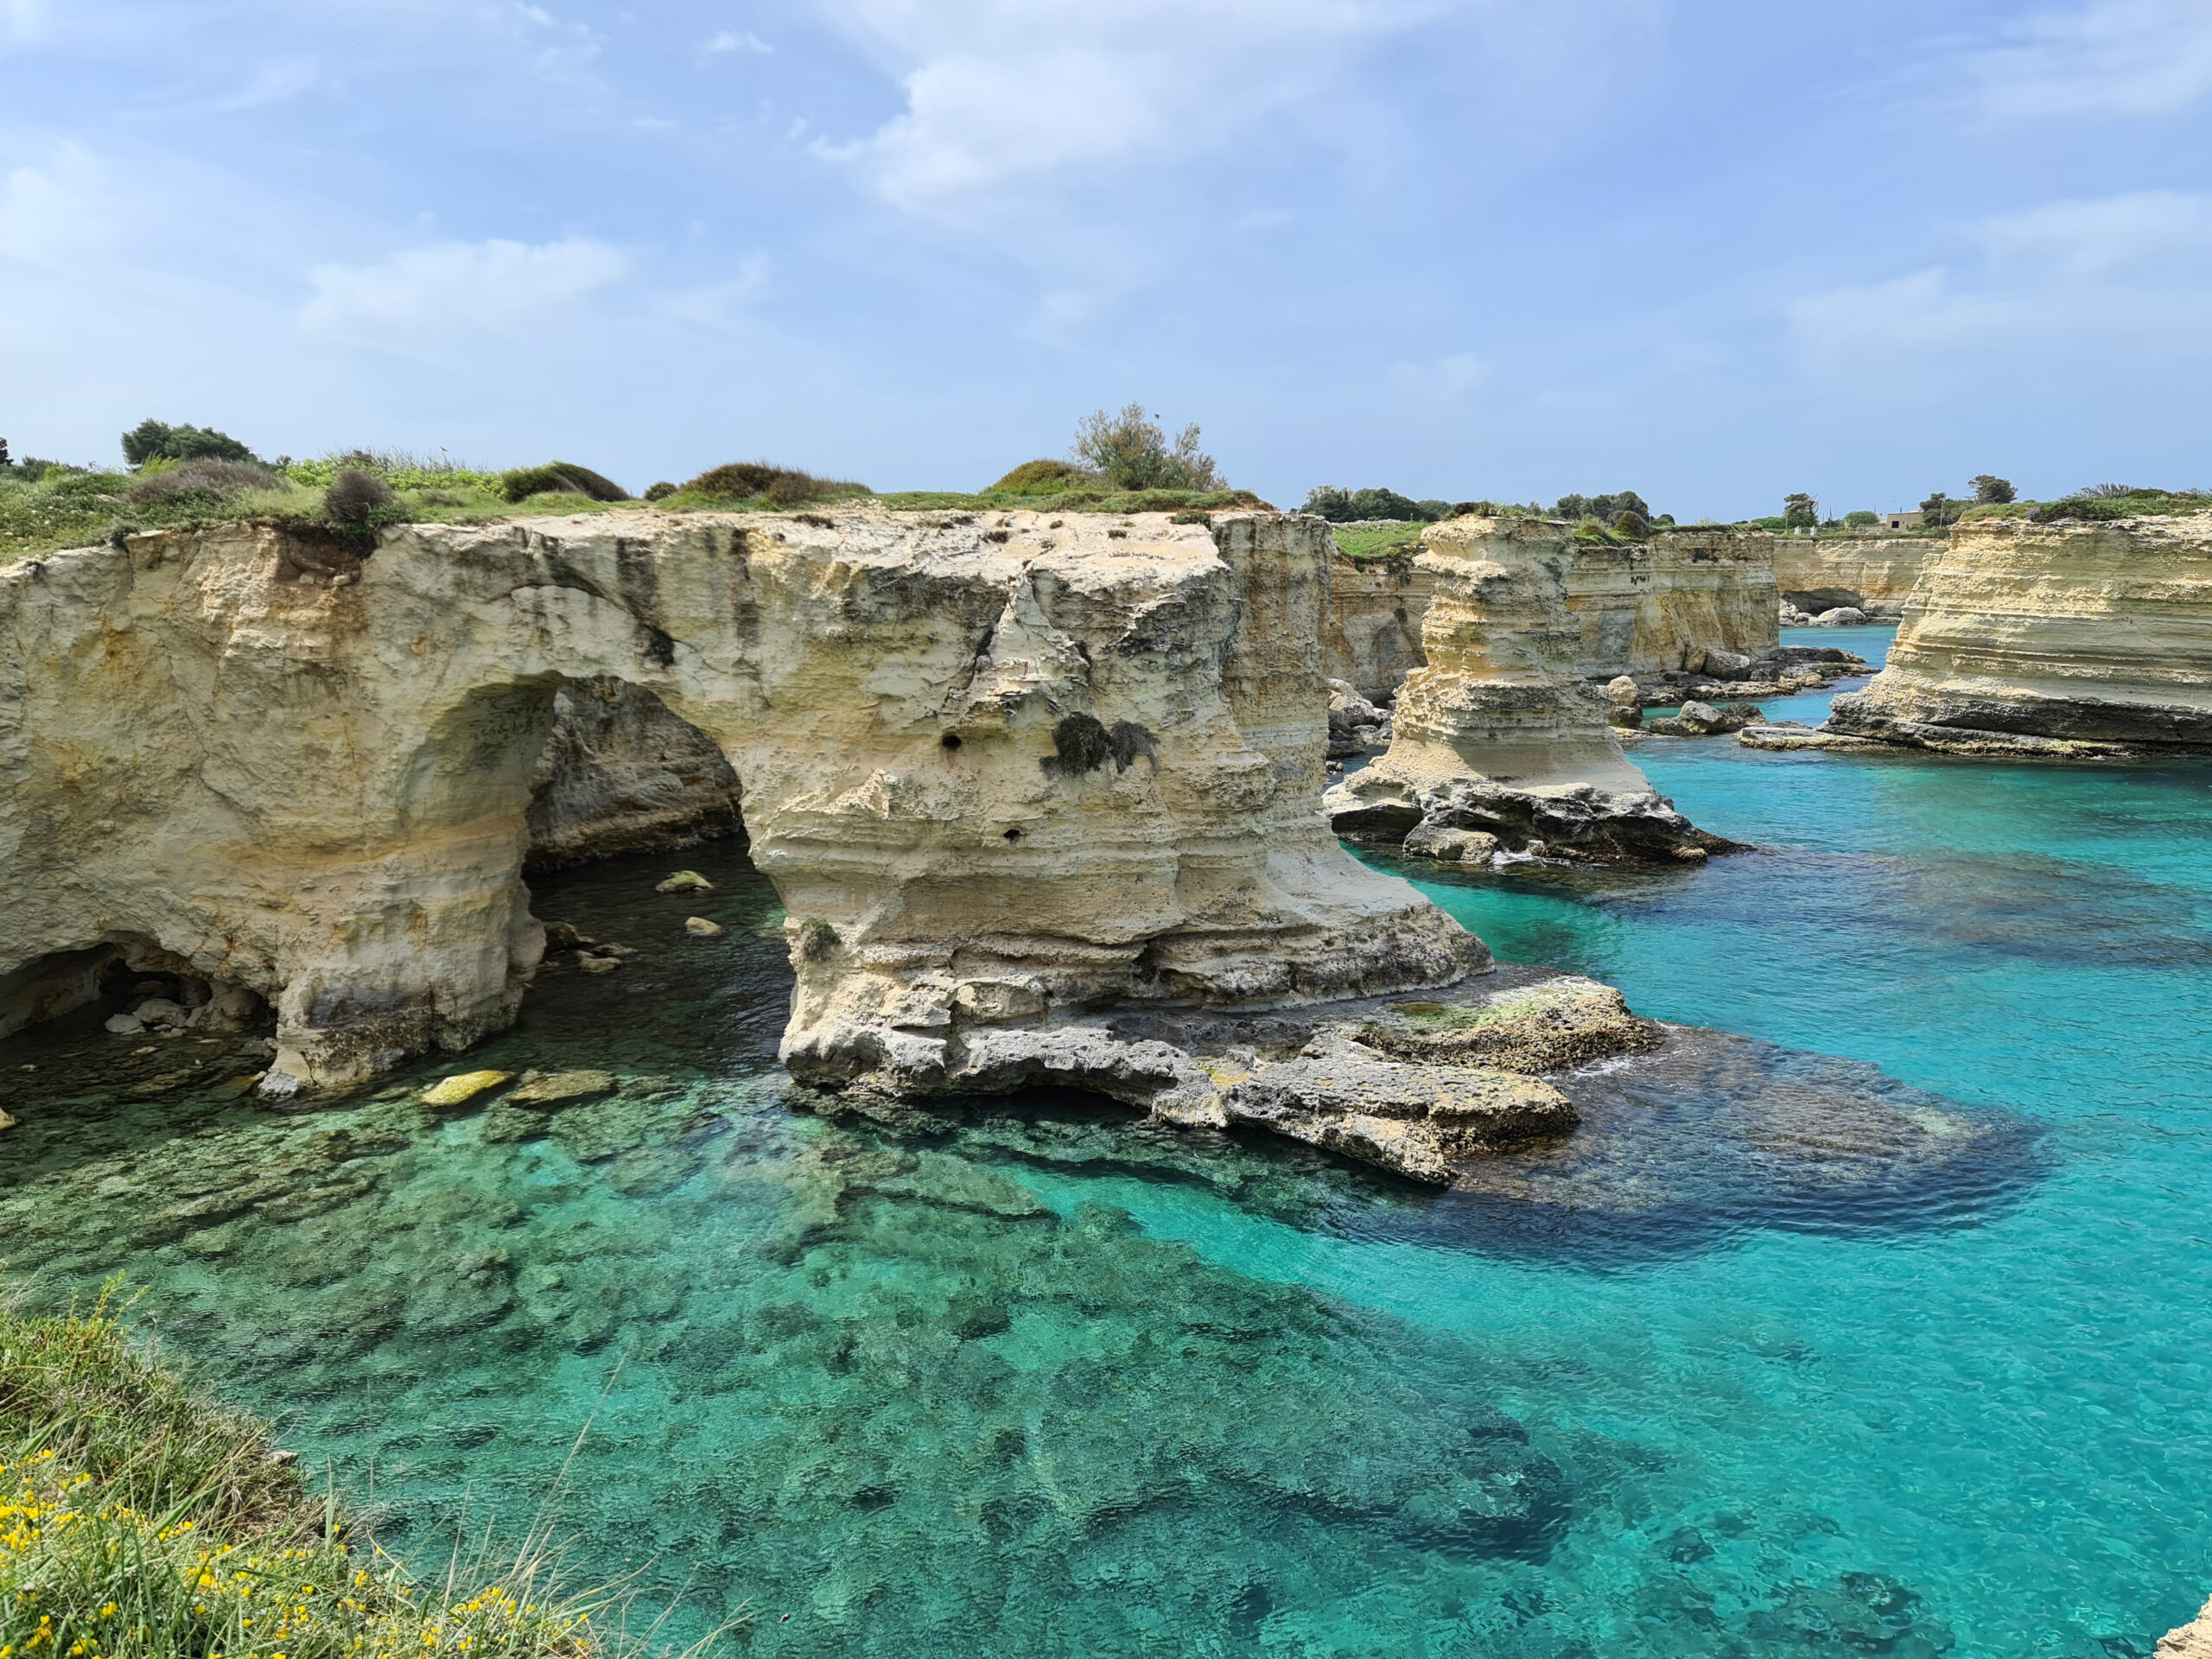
x: 1714, y: 251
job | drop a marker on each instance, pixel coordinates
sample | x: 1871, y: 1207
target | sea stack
x: 2058, y: 640
x: 1498, y: 743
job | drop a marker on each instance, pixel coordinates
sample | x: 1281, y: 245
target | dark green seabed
x: 1880, y: 1326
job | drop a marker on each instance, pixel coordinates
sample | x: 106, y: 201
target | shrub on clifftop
x: 1130, y: 451
x: 761, y: 480
x: 558, y: 477
x: 152, y: 440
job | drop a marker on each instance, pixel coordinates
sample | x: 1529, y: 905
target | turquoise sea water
x: 1029, y: 1380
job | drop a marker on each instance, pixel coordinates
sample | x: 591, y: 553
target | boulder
x: 6, y: 1122
x: 1843, y: 616
x: 124, y: 1024
x: 160, y: 1011
x: 1623, y: 691
x: 1720, y: 664
x: 1448, y: 845
x: 684, y: 882
x: 1629, y: 717
x: 598, y: 964
x: 463, y: 1086
x: 699, y: 927
x: 1418, y: 1120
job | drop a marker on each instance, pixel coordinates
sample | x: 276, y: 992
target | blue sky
x: 1712, y: 250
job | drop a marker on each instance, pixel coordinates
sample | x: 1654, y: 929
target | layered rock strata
x: 1002, y: 770
x: 1648, y: 608
x: 1875, y: 575
x: 1371, y: 640
x: 2060, y: 640
x: 1498, y: 736
x: 1657, y: 607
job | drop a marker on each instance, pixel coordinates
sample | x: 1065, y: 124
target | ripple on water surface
x: 1784, y: 1356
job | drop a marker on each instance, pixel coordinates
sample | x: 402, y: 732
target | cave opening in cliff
x: 621, y: 773
x: 129, y: 984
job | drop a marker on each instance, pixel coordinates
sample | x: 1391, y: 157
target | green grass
x: 1381, y: 542
x: 141, y: 1519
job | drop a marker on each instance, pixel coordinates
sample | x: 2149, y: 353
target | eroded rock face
x: 621, y: 774
x: 2190, y: 1641
x: 1500, y: 734
x: 1648, y: 608
x: 1875, y: 576
x: 1372, y: 638
x: 1654, y: 607
x: 1002, y: 770
x: 2066, y: 641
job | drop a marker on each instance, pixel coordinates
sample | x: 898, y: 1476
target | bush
x: 782, y: 486
x: 201, y: 483
x: 1605, y: 508
x: 659, y: 492
x: 362, y: 501
x: 557, y: 475
x: 1034, y: 475
x: 1130, y: 451
x: 1991, y: 490
x: 1351, y: 506
x: 1633, y: 525
x: 153, y: 439
x: 1861, y: 519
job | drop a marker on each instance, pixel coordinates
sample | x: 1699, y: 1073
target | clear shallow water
x: 1033, y: 1381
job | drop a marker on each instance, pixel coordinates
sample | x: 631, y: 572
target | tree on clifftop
x: 1130, y: 452
x: 153, y: 439
x: 1989, y: 489
x: 1800, y: 511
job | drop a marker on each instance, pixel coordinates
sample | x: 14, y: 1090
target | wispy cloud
x: 2118, y: 271
x: 276, y: 82
x: 1001, y: 96
x: 424, y: 298
x: 2099, y: 57
x: 731, y: 41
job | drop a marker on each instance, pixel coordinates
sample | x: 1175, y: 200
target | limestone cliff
x: 1875, y: 576
x: 1499, y: 738
x: 2061, y: 640
x: 1372, y: 637
x: 1001, y: 769
x: 1655, y: 607
x: 1643, y: 609
x: 2190, y: 1641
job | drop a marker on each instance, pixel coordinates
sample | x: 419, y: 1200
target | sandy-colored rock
x: 1622, y: 691
x: 999, y: 771
x: 6, y: 1120
x: 2190, y: 1641
x: 464, y: 1086
x: 1650, y: 607
x: 1499, y: 734
x: 1646, y: 607
x: 619, y: 773
x: 684, y: 882
x: 2064, y: 640
x: 1419, y: 1120
x: 699, y: 927
x: 1371, y: 636
x: 592, y: 964
x: 1875, y: 575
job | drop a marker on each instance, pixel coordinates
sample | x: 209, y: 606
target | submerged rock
x: 464, y: 1086
x: 699, y: 928
x: 562, y: 1087
x: 684, y: 882
x: 1421, y: 1120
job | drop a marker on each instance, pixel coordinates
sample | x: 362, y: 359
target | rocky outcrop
x: 1005, y: 772
x: 2080, y: 641
x: 2190, y: 1641
x: 1371, y: 640
x: 1499, y: 734
x: 1643, y: 609
x: 1657, y: 607
x: 621, y: 774
x: 1876, y: 576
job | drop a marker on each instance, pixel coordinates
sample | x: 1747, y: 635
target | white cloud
x: 429, y: 297
x: 2101, y: 57
x: 2121, y: 272
x: 23, y: 20
x: 719, y: 306
x: 2159, y: 232
x: 730, y: 41
x: 59, y: 212
x: 1001, y: 95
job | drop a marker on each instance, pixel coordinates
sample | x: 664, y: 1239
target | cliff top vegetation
x: 180, y: 476
x: 140, y: 1519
